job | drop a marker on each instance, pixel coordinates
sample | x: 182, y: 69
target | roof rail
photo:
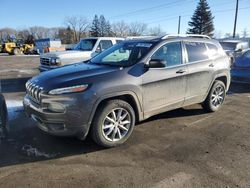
x: 140, y: 37
x: 186, y: 35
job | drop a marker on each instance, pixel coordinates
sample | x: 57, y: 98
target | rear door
x: 164, y: 88
x: 200, y: 68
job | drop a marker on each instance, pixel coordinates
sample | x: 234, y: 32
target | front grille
x: 47, y: 62
x: 34, y: 92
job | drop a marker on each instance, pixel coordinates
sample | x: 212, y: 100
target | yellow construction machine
x: 17, y: 48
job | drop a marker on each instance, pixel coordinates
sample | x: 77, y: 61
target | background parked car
x: 3, y: 115
x: 241, y: 70
x: 234, y: 48
x: 84, y: 50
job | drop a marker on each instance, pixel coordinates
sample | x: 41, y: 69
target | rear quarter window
x: 196, y: 51
x: 213, y: 50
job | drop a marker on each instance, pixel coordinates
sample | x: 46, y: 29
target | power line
x: 187, y: 15
x: 140, y: 11
x: 155, y: 20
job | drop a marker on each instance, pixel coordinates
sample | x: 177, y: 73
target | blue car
x: 241, y: 69
x: 3, y: 116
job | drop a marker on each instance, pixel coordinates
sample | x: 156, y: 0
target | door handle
x: 181, y: 71
x: 211, y: 65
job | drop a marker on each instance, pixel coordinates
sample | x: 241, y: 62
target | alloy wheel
x: 116, y: 124
x: 218, y: 96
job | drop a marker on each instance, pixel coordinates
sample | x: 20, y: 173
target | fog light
x: 55, y: 107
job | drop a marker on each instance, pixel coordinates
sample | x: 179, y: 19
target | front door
x: 164, y: 88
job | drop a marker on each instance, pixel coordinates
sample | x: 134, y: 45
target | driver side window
x: 104, y: 45
x: 171, y: 53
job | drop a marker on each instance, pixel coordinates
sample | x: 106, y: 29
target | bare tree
x: 120, y: 29
x: 79, y: 25
x: 7, y: 33
x: 39, y: 32
x: 156, y: 31
x: 244, y: 33
x: 137, y: 29
x: 217, y: 34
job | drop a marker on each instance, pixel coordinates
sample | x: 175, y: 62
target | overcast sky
x: 51, y: 13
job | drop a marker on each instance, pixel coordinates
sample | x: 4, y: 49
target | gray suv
x: 127, y: 83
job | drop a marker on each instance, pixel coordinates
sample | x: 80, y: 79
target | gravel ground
x: 12, y: 67
x: 181, y: 148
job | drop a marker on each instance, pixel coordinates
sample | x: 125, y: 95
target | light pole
x: 236, y: 15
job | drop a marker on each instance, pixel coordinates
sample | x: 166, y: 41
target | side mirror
x: 98, y: 49
x: 238, y: 50
x: 157, y: 63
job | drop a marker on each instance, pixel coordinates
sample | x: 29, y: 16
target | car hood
x: 71, y: 75
x: 67, y: 54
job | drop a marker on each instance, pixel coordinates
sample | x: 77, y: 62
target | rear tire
x: 3, y: 117
x: 113, y: 123
x: 216, y: 97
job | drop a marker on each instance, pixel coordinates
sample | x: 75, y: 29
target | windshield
x: 123, y: 54
x: 86, y: 45
x: 228, y: 46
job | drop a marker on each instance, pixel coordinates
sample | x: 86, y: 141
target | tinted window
x: 86, y: 44
x: 197, y: 51
x: 171, y: 53
x: 105, y: 44
x: 212, y: 49
x: 247, y: 55
x: 228, y: 46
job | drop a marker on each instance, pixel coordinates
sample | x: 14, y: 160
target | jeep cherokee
x: 127, y: 83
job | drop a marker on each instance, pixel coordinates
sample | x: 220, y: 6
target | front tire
x: 113, y: 123
x: 216, y: 97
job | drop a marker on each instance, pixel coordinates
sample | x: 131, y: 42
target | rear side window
x: 196, y: 51
x: 212, y: 50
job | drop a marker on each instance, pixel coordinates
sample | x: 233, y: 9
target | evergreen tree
x: 202, y: 20
x: 66, y: 35
x: 102, y: 25
x: 108, y: 29
x: 105, y: 27
x: 95, y: 27
x: 69, y: 36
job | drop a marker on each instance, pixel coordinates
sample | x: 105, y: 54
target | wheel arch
x: 222, y: 76
x: 129, y: 97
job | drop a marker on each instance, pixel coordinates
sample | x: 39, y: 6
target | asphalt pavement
x: 186, y: 147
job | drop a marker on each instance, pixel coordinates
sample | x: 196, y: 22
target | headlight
x: 73, y: 89
x: 55, y: 60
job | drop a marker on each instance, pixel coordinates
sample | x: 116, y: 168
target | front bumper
x: 72, y: 122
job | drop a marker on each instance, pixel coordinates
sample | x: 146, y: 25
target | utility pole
x: 236, y: 15
x: 179, y: 25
